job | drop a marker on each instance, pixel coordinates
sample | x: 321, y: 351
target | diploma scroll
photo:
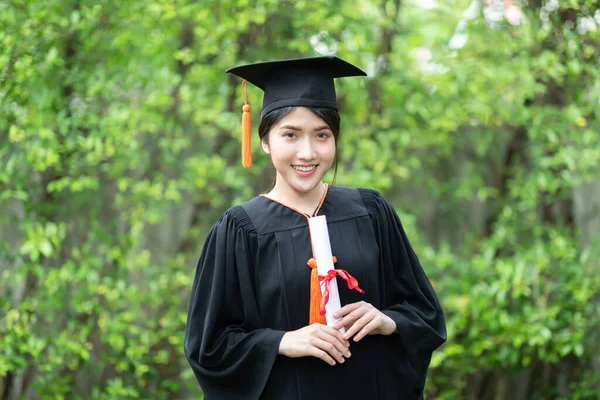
x: 319, y: 236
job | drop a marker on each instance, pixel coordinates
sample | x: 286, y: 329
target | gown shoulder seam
x: 370, y: 199
x: 241, y: 218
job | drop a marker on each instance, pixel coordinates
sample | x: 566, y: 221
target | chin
x: 304, y: 189
x: 307, y: 187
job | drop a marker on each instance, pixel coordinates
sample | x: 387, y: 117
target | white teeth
x: 304, y: 169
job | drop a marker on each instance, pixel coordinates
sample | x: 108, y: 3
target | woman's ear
x: 265, y: 146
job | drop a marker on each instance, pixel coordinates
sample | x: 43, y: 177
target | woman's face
x: 302, y: 148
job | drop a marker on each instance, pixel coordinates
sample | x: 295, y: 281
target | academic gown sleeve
x: 412, y: 302
x: 229, y: 351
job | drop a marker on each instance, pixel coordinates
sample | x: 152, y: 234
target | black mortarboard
x: 300, y: 82
x: 304, y: 82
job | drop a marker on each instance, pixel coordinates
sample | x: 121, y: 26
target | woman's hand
x: 362, y: 319
x: 316, y: 340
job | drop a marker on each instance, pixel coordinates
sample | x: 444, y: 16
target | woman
x: 252, y: 331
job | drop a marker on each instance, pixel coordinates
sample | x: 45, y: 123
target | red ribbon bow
x: 352, y: 284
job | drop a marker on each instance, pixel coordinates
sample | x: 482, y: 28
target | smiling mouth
x: 303, y: 168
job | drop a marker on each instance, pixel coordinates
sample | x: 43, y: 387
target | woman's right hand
x: 315, y: 340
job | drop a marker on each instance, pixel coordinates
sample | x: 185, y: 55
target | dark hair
x: 329, y: 115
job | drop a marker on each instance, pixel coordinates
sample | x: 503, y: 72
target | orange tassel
x: 315, y: 315
x: 246, y: 129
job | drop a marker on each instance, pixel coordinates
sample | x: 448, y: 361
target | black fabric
x: 305, y: 82
x: 252, y: 285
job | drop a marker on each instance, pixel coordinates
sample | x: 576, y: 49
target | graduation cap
x: 299, y: 82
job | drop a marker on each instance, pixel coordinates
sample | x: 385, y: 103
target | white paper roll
x: 322, y: 252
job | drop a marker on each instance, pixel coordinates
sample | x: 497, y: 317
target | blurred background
x: 120, y: 148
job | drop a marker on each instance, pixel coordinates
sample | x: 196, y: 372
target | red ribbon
x: 332, y: 273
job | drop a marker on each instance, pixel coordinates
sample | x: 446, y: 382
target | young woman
x: 252, y: 330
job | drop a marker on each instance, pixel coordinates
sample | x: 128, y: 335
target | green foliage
x: 119, y: 148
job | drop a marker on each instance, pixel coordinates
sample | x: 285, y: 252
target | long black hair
x: 330, y: 116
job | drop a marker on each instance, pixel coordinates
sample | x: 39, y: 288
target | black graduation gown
x: 252, y: 284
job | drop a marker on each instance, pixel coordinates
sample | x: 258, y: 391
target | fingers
x: 357, y: 310
x: 336, y: 334
x: 347, y: 309
x: 326, y: 351
x: 340, y: 344
x: 358, y: 326
x: 370, y: 327
x: 350, y: 313
x: 368, y: 319
x: 318, y: 341
x: 331, y: 342
x: 335, y: 338
x: 360, y: 319
x: 327, y: 342
x: 350, y: 318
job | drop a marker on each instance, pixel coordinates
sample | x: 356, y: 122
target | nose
x: 306, y: 149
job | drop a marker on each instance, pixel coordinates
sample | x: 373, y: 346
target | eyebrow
x: 295, y: 128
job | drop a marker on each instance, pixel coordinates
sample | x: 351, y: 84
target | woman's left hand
x: 362, y: 319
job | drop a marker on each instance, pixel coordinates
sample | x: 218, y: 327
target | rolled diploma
x: 319, y: 236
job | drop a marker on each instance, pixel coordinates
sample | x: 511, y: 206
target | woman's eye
x: 323, y: 135
x: 289, y: 135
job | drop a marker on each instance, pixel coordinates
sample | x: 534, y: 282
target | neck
x: 306, y: 202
